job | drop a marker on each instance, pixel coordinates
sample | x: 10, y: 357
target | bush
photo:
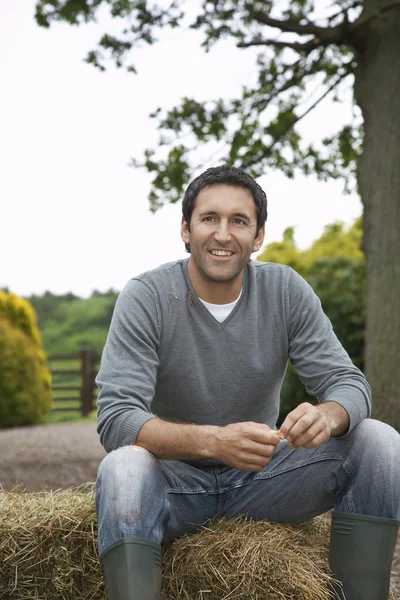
x: 21, y: 314
x: 25, y: 396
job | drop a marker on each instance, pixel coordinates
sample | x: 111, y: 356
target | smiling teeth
x: 221, y: 253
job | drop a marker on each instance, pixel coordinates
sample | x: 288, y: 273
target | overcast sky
x: 74, y: 216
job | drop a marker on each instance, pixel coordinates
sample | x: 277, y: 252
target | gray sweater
x: 166, y: 356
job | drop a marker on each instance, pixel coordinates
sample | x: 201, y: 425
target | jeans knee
x: 130, y: 496
x: 123, y: 454
x: 380, y: 441
x: 127, y: 467
x: 376, y: 432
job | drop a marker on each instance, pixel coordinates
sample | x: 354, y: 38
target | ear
x: 258, y: 242
x: 185, y: 233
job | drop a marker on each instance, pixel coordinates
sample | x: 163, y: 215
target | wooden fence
x: 87, y: 369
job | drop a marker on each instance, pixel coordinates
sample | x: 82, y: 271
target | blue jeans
x: 138, y: 495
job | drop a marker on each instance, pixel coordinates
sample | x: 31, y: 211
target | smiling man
x: 190, y: 385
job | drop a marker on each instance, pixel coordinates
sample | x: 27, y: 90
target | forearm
x: 176, y: 441
x: 247, y: 445
x: 337, y: 416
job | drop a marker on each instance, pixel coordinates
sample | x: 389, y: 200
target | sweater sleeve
x: 128, y: 370
x: 318, y: 357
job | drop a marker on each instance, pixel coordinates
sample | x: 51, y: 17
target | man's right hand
x: 247, y: 446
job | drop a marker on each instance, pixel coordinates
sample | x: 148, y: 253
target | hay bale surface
x: 48, y: 546
x: 250, y: 560
x: 48, y: 551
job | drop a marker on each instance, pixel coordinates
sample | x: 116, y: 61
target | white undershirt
x: 221, y: 311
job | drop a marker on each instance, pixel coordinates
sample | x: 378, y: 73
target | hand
x: 306, y: 426
x: 247, y: 446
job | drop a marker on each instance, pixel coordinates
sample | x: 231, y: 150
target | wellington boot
x: 361, y: 554
x: 132, y: 570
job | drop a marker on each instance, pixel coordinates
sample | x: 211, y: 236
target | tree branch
x: 287, y: 25
x: 306, y: 47
x: 305, y: 113
x: 298, y: 76
x: 323, y: 35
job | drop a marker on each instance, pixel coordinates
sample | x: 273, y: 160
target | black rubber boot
x: 132, y: 570
x: 361, y: 554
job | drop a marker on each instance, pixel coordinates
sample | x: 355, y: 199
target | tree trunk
x: 377, y: 91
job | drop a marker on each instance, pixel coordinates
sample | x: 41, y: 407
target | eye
x: 208, y: 219
x: 239, y: 221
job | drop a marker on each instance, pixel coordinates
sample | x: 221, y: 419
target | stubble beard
x: 221, y: 273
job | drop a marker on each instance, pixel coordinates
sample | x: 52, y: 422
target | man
x: 189, y: 398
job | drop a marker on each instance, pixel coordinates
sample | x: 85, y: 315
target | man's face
x: 222, y: 235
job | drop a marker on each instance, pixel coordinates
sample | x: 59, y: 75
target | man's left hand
x: 307, y: 425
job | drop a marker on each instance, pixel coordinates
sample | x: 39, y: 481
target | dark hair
x: 225, y: 175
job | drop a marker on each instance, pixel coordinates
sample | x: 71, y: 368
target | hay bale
x: 48, y: 546
x: 48, y: 550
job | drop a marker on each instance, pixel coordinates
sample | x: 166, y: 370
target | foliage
x: 340, y: 285
x: 68, y: 322
x: 333, y: 243
x: 20, y: 314
x: 334, y: 266
x: 24, y: 382
x: 315, y: 56
x: 47, y: 305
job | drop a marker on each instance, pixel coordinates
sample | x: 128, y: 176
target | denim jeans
x: 138, y: 495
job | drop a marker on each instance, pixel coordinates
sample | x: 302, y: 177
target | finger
x: 292, y: 418
x: 317, y: 441
x: 261, y: 450
x: 310, y: 434
x: 265, y: 436
x: 254, y: 453
x: 262, y: 428
x: 303, y: 424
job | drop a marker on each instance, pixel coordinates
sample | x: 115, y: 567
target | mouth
x: 222, y: 253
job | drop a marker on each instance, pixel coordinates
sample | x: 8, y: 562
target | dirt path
x: 64, y: 455
x: 49, y: 456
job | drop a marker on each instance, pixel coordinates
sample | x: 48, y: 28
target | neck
x: 215, y: 292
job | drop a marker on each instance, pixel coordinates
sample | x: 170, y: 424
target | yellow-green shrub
x: 21, y: 314
x: 25, y: 396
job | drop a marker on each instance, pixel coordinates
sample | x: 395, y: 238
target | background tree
x: 306, y: 56
x: 68, y: 322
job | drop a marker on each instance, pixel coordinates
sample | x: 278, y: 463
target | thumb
x: 281, y: 434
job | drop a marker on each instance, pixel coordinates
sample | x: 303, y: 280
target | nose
x: 222, y: 234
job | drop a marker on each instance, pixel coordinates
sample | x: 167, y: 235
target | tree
x: 304, y: 58
x: 68, y: 322
x: 47, y: 305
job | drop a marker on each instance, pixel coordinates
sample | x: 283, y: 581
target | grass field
x: 75, y: 416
